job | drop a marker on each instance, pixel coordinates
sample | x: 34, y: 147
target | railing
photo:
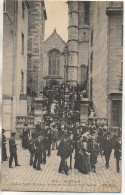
x: 114, y: 4
x: 98, y: 121
x: 21, y: 120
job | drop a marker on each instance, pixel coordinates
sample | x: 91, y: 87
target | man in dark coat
x: 4, y: 154
x: 31, y: 148
x: 13, y: 150
x: 25, y: 137
x: 44, y: 149
x: 76, y: 137
x: 93, y: 149
x: 71, y: 146
x: 49, y: 141
x: 38, y: 128
x: 38, y: 152
x: 107, y: 148
x: 117, y: 153
x: 64, y: 152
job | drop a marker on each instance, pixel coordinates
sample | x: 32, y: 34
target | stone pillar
x: 38, y: 110
x: 84, y: 110
x: 73, y: 43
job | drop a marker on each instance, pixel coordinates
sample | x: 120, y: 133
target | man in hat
x: 93, y: 149
x: 4, y: 154
x: 13, y: 150
x: 54, y: 137
x: 64, y: 152
x: 117, y: 153
x: 31, y: 148
x: 38, y: 152
x: 107, y: 148
x: 76, y: 137
x: 25, y: 137
x: 100, y: 139
x: 49, y: 141
x: 44, y: 143
x: 38, y: 128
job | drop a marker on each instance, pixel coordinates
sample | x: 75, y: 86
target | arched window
x: 54, y: 62
x: 87, y: 11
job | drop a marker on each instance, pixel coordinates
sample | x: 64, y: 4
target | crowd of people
x: 61, y: 130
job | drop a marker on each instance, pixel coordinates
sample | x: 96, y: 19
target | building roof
x: 55, y: 33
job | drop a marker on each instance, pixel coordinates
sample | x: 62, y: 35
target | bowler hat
x: 13, y: 133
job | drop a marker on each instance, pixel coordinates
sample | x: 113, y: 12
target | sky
x: 57, y: 17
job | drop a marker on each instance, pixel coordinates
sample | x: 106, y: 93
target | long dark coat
x: 12, y: 145
x: 64, y: 149
x: 117, y: 150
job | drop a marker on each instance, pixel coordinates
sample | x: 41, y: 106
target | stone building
x: 54, y: 60
x: 105, y: 61
x: 78, y: 40
x: 95, y: 44
x: 36, y: 27
x: 14, y: 73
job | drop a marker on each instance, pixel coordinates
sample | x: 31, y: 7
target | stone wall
x: 115, y: 51
x: 14, y: 62
x: 36, y: 27
x: 115, y: 59
x: 99, y: 65
x: 21, y: 58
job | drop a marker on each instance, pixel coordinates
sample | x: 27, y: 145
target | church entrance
x: 53, y: 82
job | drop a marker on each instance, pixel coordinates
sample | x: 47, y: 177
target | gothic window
x: 91, y: 62
x: 54, y: 62
x: 22, y: 43
x: 91, y: 90
x: 92, y: 38
x: 23, y: 9
x: 22, y: 82
x: 83, y: 74
x: 87, y: 10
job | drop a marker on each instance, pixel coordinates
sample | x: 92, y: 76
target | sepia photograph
x: 62, y: 75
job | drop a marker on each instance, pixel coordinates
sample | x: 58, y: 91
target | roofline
x: 57, y: 35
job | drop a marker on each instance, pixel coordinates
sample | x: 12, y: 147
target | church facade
x: 53, y: 60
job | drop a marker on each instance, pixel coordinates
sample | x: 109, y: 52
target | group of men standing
x: 88, y: 145
x: 61, y: 130
x: 39, y: 142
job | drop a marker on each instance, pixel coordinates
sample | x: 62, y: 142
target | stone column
x: 84, y: 110
x: 73, y: 43
x: 38, y: 110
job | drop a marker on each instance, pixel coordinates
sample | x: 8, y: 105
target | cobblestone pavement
x: 25, y: 178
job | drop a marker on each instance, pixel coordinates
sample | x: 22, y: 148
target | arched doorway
x: 53, y: 82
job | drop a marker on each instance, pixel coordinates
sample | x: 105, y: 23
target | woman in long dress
x: 84, y: 158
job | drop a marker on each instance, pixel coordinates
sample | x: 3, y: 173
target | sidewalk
x: 25, y: 178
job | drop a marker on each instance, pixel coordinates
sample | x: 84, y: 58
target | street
x: 25, y: 178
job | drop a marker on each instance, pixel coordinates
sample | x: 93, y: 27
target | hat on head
x: 3, y: 130
x: 13, y: 133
